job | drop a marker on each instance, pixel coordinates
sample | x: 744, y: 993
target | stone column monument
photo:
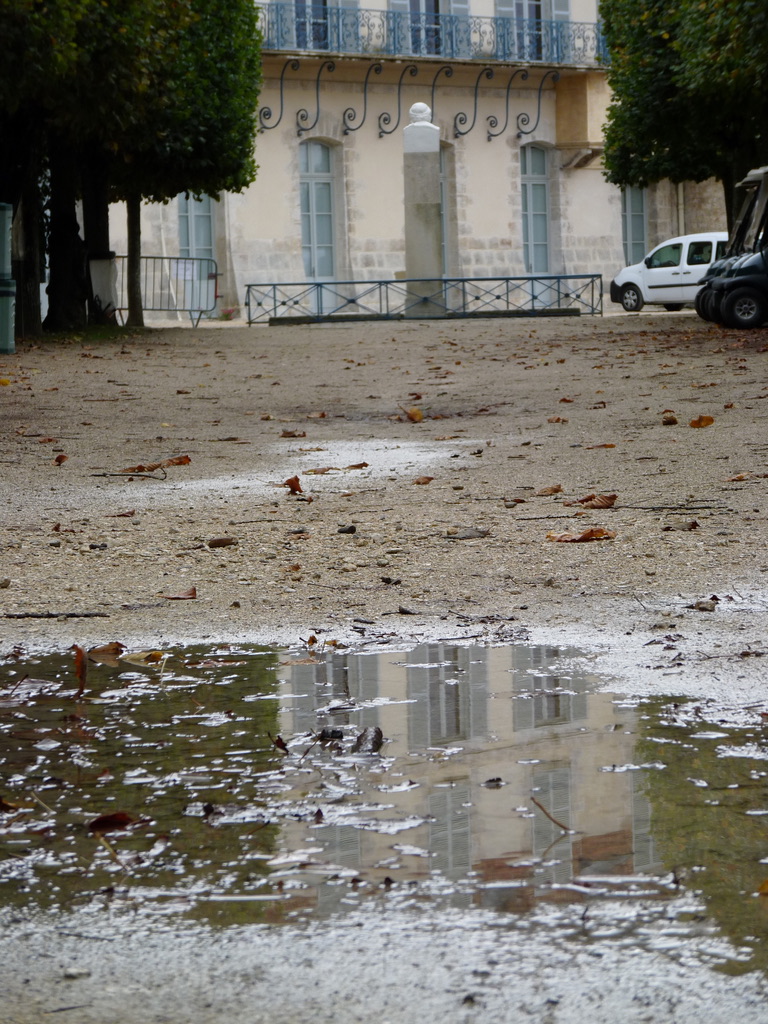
x: 423, y: 220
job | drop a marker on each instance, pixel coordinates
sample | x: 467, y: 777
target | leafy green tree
x: 688, y: 83
x: 145, y: 98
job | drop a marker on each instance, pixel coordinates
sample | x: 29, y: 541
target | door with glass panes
x: 195, y: 283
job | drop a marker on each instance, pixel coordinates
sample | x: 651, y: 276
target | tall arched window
x: 535, y: 198
x: 317, y: 210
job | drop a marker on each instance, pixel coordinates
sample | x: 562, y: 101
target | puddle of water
x: 244, y: 785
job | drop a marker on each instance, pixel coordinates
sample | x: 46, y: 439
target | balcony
x: 314, y: 27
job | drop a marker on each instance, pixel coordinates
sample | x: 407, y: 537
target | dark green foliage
x: 689, y: 89
x: 145, y: 98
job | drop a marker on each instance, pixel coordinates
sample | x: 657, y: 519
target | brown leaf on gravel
x: 595, y: 501
x: 150, y: 467
x: 738, y: 477
x: 222, y: 542
x: 702, y: 421
x: 316, y: 415
x: 120, y: 515
x: 557, y: 419
x: 185, y: 595
x: 321, y: 470
x: 606, y: 445
x: 668, y: 418
x: 553, y: 489
x: 45, y: 440
x: 294, y: 433
x: 414, y: 414
x: 293, y: 485
x: 423, y: 479
x: 593, y: 533
x: 59, y: 459
x: 357, y: 465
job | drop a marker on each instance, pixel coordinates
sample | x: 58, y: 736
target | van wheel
x: 673, y: 307
x: 631, y: 299
x: 744, y: 307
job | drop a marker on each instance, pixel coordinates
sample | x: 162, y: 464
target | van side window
x: 721, y: 247
x: 699, y: 254
x: 666, y: 256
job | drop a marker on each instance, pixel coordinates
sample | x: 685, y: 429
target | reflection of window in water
x: 450, y: 843
x: 540, y: 703
x: 334, y: 678
x: 343, y: 846
x: 450, y: 690
x: 552, y: 788
x: 645, y: 857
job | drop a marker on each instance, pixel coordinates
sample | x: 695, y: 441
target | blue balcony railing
x: 301, y: 26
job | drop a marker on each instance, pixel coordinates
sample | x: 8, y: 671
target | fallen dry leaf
x: 146, y: 657
x: 414, y: 414
x: 423, y: 479
x: 358, y: 465
x: 321, y: 470
x: 59, y: 459
x: 293, y: 485
x: 607, y: 445
x: 121, y: 515
x: 557, y: 419
x: 668, y: 418
x: 739, y: 476
x: 177, y: 460
x: 294, y: 433
x: 107, y: 654
x: 553, y: 489
x: 222, y: 542
x: 113, y: 822
x: 702, y: 421
x: 81, y: 667
x: 595, y: 501
x: 185, y: 595
x: 593, y: 533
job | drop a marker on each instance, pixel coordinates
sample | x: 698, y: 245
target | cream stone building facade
x: 518, y: 90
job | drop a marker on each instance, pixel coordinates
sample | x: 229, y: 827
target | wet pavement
x: 499, y: 791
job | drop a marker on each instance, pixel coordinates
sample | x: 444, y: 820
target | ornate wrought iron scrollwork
x: 493, y: 121
x: 350, y: 114
x: 461, y: 118
x: 266, y: 113
x: 446, y: 70
x: 302, y: 116
x: 385, y: 119
x: 523, y: 120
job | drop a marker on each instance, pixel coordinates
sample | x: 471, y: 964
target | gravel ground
x: 488, y: 412
x: 434, y: 439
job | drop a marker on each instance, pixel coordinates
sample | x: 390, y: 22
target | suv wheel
x: 631, y: 298
x: 744, y: 307
x: 701, y: 303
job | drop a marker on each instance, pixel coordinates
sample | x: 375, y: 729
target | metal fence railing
x: 348, y: 30
x: 171, y: 284
x: 542, y: 294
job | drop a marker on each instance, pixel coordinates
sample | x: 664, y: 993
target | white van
x: 670, y: 274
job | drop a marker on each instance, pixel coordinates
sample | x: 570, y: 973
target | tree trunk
x: 28, y: 262
x: 67, y: 258
x: 96, y: 233
x: 135, y: 307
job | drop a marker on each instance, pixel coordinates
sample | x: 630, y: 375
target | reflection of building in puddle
x: 503, y: 770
